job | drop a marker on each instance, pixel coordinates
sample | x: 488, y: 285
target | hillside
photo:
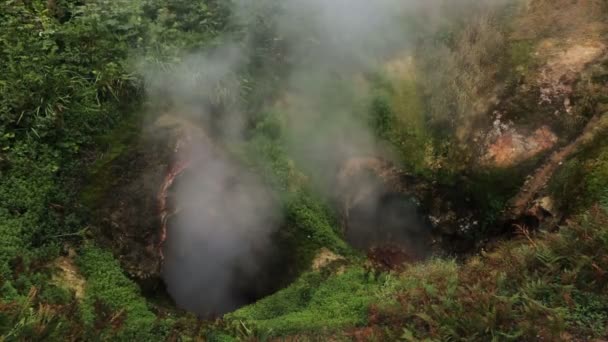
x: 304, y: 170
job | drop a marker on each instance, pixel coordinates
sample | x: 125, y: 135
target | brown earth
x: 568, y: 37
x: 67, y: 275
x: 511, y: 147
x: 324, y: 258
x: 389, y: 258
x: 524, y: 200
x: 129, y: 216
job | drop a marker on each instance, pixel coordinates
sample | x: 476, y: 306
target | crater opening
x: 382, y: 214
x: 390, y: 220
x: 218, y: 248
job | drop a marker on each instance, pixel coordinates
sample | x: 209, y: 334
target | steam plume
x: 218, y: 240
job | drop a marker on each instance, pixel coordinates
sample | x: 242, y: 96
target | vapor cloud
x: 221, y: 235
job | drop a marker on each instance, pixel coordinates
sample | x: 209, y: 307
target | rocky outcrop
x: 129, y: 213
x: 432, y: 217
x: 507, y: 146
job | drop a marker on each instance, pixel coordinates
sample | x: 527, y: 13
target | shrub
x: 459, y: 73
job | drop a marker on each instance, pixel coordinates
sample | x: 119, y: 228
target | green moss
x: 116, y: 143
x: 521, y: 56
x: 113, y: 306
x: 309, y: 228
x: 582, y: 180
x: 397, y: 116
x: 316, y: 302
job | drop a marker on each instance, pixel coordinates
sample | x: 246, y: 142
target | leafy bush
x: 548, y: 287
x: 66, y: 79
x: 382, y: 116
x: 460, y: 70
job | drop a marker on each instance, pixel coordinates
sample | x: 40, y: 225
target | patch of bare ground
x: 522, y: 203
x: 572, y: 35
x: 365, y: 334
x: 510, y: 146
x: 569, y: 37
x: 562, y: 18
x: 324, y: 258
x: 389, y: 258
x: 68, y: 276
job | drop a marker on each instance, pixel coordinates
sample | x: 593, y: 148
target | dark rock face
x: 389, y: 218
x: 381, y: 205
x: 126, y: 209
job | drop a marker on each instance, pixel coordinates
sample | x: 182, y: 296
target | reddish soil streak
x: 164, y: 211
x: 389, y: 258
x: 512, y: 147
x: 181, y: 162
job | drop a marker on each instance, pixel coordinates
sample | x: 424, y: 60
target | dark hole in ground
x: 220, y: 252
x: 389, y: 219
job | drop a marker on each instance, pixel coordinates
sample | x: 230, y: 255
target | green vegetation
x: 315, y: 303
x: 71, y: 102
x: 114, y: 144
x: 549, y: 286
x: 112, y: 303
x: 521, y: 56
x: 66, y: 79
x: 582, y: 180
x: 471, y: 55
x: 309, y: 223
x: 397, y: 115
x: 534, y: 289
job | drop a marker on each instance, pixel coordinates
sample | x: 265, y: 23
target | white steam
x: 221, y: 236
